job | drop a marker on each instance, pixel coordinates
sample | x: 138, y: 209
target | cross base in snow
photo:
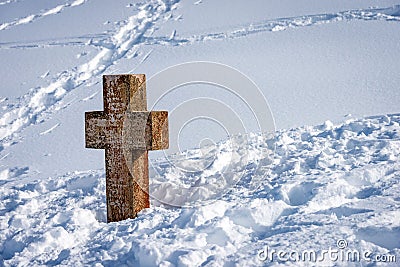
x: 126, y: 130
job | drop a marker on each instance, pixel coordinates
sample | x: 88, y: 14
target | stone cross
x: 126, y: 130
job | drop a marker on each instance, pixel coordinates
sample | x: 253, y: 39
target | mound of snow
x: 301, y: 189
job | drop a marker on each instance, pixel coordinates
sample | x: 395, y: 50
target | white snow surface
x: 298, y: 189
x: 321, y: 184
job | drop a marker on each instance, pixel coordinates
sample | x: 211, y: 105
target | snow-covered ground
x: 301, y: 188
x: 323, y: 184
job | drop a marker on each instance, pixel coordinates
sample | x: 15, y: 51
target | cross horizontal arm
x: 158, y: 121
x: 145, y: 130
x: 95, y: 129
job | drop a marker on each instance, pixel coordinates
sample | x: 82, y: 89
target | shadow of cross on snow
x: 126, y: 130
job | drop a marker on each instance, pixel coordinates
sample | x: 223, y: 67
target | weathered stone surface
x: 146, y: 130
x: 95, y: 124
x: 126, y: 131
x: 158, y: 121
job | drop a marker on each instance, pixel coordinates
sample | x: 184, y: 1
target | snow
x: 316, y: 180
x: 303, y: 193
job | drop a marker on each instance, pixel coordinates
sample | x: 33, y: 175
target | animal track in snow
x: 31, y: 18
x: 130, y: 37
x: 125, y: 38
x: 280, y: 24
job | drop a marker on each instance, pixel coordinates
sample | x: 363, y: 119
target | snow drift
x: 321, y: 184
